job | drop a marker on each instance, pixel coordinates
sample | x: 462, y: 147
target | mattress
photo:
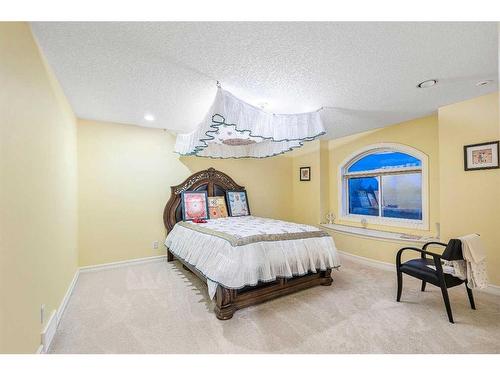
x: 242, y: 251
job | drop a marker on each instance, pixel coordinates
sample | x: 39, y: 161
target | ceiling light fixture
x: 149, y: 117
x: 484, y: 83
x: 428, y: 83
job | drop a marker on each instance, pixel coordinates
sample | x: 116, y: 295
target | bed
x: 245, y: 260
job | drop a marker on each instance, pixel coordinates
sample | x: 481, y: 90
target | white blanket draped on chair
x: 473, y: 267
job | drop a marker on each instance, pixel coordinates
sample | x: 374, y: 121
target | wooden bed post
x: 224, y: 298
x: 326, y: 277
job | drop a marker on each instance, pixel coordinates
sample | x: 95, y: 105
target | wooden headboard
x: 214, y: 182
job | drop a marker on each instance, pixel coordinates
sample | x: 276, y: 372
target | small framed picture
x: 481, y: 156
x: 305, y: 174
x: 194, y: 205
x: 217, y: 207
x: 237, y: 201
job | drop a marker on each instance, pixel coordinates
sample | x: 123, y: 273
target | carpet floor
x: 159, y: 307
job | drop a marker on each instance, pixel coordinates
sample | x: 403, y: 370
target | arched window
x: 385, y: 184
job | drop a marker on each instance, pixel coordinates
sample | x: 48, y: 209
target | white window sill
x: 379, y: 234
x: 390, y: 221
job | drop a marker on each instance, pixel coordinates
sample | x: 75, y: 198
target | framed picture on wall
x: 305, y: 173
x: 194, y: 205
x: 481, y: 156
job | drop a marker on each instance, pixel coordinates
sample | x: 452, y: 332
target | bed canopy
x: 233, y: 128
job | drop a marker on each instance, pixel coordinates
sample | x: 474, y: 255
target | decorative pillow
x: 194, y: 205
x: 217, y: 207
x: 238, y: 203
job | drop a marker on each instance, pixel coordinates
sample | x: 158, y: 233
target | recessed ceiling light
x: 426, y: 84
x: 149, y: 117
x: 484, y: 83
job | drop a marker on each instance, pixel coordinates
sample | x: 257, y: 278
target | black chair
x: 418, y: 269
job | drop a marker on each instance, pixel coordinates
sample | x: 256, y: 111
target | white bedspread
x: 240, y: 251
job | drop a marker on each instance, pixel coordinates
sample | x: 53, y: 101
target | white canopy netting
x: 235, y: 129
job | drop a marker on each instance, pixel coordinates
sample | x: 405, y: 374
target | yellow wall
x: 38, y: 184
x: 125, y: 173
x: 324, y: 186
x: 310, y: 198
x: 379, y: 250
x: 306, y: 200
x: 470, y: 201
x: 266, y: 180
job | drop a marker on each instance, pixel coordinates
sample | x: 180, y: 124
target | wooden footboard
x: 229, y: 300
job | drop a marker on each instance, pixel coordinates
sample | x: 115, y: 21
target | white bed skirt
x: 240, y: 266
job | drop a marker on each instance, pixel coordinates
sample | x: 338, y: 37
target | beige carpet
x: 161, y: 308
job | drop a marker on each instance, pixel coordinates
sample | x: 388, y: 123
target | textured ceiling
x: 366, y: 73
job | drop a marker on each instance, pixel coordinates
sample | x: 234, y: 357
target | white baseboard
x: 49, y: 332
x: 491, y: 289
x: 368, y: 262
x: 64, y: 302
x: 122, y: 263
x: 50, y: 329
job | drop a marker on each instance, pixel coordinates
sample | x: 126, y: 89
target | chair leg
x: 423, y: 286
x: 447, y: 303
x: 471, y: 297
x: 400, y: 285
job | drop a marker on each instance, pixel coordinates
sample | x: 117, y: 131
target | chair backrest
x: 453, y: 250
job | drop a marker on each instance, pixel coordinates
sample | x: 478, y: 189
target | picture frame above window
x: 482, y: 156
x: 305, y: 173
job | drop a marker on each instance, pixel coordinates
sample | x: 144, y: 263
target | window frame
x: 343, y: 188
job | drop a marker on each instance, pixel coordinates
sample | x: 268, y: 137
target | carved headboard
x: 214, y: 182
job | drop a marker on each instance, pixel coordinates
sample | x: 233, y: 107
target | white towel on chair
x: 472, y: 248
x: 475, y: 261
